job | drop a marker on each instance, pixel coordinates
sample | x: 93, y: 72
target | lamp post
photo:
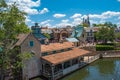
x: 2, y: 74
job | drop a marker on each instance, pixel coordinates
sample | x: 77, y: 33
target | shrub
x: 104, y: 47
x: 106, y: 44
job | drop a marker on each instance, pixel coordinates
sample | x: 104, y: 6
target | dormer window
x: 31, y: 43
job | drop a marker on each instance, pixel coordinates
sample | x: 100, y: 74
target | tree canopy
x: 105, y: 34
x: 12, y: 23
x: 107, y: 24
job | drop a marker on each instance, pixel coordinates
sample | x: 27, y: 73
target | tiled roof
x: 64, y: 56
x: 56, y: 46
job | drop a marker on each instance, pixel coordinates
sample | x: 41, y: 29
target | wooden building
x: 27, y: 43
x: 59, y: 59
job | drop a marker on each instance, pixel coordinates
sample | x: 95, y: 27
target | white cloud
x: 44, y: 10
x: 29, y: 10
x: 59, y: 15
x: 105, y: 15
x: 94, y: 16
x: 118, y: 0
x: 77, y: 21
x: 65, y: 21
x: 119, y: 17
x: 26, y: 5
x: 45, y: 22
x: 63, y: 25
x: 76, y: 15
x: 48, y: 25
x: 108, y: 16
x: 27, y: 19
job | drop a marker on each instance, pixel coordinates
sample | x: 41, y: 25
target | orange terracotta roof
x: 56, y: 46
x: 64, y: 56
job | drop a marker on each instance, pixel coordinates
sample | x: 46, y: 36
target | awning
x: 72, y: 39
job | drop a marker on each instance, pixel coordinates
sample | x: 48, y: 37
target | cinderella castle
x: 86, y: 22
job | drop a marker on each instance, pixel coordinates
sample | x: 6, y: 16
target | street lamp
x: 2, y: 74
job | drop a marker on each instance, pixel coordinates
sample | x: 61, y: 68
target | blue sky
x: 59, y: 13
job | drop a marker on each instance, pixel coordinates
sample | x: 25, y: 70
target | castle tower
x: 88, y: 21
x: 36, y: 29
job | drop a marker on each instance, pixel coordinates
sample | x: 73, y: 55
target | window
x: 31, y: 43
x: 83, y: 35
x: 66, y: 64
x: 44, y: 54
x: 58, y: 68
x: 62, y: 50
x: 54, y: 52
x: 69, y: 49
x: 74, y: 61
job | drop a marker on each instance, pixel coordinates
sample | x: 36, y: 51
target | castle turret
x: 88, y: 21
x: 36, y: 29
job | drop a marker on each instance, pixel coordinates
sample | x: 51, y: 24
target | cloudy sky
x: 59, y: 13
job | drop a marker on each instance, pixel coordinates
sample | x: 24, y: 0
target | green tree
x: 47, y: 35
x: 105, y: 34
x: 117, y: 35
x: 12, y: 23
x: 85, y: 25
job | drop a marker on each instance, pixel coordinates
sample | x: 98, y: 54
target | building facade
x: 27, y: 43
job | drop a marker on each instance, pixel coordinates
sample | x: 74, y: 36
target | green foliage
x: 117, y: 46
x: 85, y: 25
x: 12, y: 23
x: 110, y: 44
x: 2, y: 3
x: 47, y: 35
x: 107, y: 24
x: 104, y: 47
x: 24, y: 57
x: 117, y: 35
x: 105, y: 34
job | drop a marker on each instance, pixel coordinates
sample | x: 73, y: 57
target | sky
x: 60, y: 13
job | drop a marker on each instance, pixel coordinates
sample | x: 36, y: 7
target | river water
x: 102, y: 69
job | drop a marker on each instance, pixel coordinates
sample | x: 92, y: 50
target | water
x: 102, y: 69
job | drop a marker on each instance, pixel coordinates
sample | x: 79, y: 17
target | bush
x: 107, y: 44
x: 104, y: 47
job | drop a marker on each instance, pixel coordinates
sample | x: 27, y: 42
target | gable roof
x: 77, y: 32
x: 21, y: 38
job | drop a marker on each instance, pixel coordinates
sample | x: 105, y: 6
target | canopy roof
x: 72, y: 39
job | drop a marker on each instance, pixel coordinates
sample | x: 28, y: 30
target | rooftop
x: 21, y: 38
x: 77, y: 32
x: 56, y: 46
x: 64, y: 56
